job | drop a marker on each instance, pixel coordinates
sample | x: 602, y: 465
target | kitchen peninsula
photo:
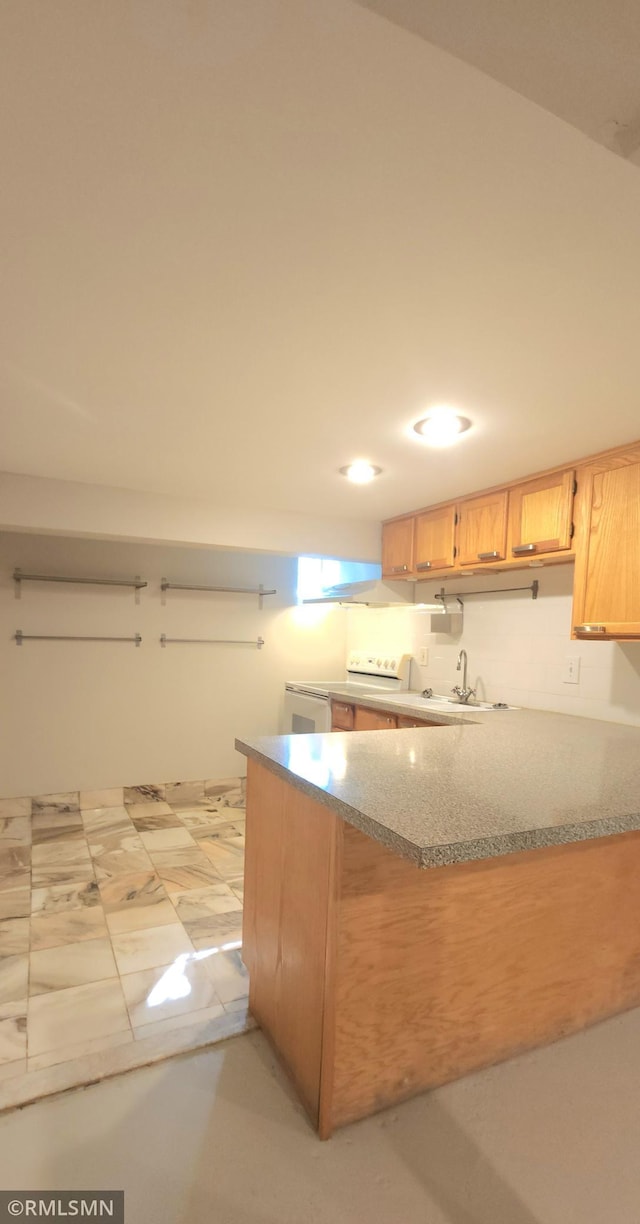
x: 421, y: 903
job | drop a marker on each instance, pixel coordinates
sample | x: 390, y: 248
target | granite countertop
x: 477, y: 786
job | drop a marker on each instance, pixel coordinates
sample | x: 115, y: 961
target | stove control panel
x: 391, y: 665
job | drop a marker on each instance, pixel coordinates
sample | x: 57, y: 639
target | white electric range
x: 307, y: 703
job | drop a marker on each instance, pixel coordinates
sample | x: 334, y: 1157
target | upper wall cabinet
x: 435, y: 540
x: 540, y: 515
x: 397, y: 548
x: 482, y: 529
x: 607, y: 581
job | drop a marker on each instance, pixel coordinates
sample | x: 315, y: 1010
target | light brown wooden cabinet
x: 434, y: 541
x: 482, y: 529
x: 540, y: 516
x: 373, y: 720
x: 397, y: 548
x: 590, y: 511
x: 607, y: 581
x: 341, y: 716
x: 347, y: 717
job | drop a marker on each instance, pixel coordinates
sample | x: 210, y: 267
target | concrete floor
x: 217, y: 1138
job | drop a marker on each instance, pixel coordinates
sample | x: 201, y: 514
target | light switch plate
x: 571, y: 670
x: 423, y: 656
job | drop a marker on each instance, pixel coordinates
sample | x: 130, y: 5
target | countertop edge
x: 448, y: 854
x: 393, y: 841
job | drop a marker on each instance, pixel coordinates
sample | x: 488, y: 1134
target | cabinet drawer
x: 374, y: 720
x: 341, y: 716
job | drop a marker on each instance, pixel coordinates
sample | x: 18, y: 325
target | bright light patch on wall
x: 441, y: 426
x: 308, y: 615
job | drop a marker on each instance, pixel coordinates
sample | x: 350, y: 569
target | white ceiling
x: 246, y: 241
x: 577, y: 58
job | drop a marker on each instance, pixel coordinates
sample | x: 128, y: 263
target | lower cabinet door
x: 373, y: 720
x: 341, y: 716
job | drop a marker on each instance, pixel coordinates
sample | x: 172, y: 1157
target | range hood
x: 374, y: 594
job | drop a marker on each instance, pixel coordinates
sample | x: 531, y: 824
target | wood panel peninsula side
x: 410, y: 917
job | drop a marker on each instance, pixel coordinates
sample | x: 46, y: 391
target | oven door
x: 305, y: 713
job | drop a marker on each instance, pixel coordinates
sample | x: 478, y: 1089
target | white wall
x: 516, y: 646
x: 70, y: 508
x: 91, y: 715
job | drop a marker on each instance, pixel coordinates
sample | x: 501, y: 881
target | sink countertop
x: 479, y: 785
x: 401, y: 702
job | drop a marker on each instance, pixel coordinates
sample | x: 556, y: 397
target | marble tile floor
x: 120, y: 930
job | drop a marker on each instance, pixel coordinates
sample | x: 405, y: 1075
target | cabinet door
x: 341, y: 716
x: 373, y: 720
x: 607, y: 582
x: 397, y: 548
x: 540, y: 513
x: 482, y: 529
x: 434, y: 540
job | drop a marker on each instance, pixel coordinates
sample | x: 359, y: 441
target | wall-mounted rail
x: 19, y: 577
x: 460, y: 595
x: 230, y: 590
x: 21, y: 637
x: 167, y: 641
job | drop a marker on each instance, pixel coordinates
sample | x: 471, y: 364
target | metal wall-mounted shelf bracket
x: 182, y: 586
x: 21, y: 637
x: 136, y: 583
x: 461, y: 595
x: 167, y: 641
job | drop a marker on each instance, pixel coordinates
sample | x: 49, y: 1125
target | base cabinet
x: 375, y: 980
x: 373, y: 720
x: 341, y: 716
x: 347, y: 717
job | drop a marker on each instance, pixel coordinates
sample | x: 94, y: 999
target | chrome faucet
x: 463, y: 693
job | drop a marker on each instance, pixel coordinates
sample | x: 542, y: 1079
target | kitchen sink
x: 438, y: 702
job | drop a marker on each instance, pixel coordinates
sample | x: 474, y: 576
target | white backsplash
x: 517, y: 647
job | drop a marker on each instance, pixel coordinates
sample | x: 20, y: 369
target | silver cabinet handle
x: 423, y: 565
x: 494, y: 555
x: 519, y: 549
x: 589, y: 628
x: 399, y: 569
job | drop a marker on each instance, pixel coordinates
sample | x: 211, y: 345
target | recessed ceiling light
x: 442, y: 426
x: 360, y: 471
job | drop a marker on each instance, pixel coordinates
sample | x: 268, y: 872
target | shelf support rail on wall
x: 167, y: 641
x: 182, y: 586
x: 460, y: 595
x: 21, y: 637
x: 18, y: 577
